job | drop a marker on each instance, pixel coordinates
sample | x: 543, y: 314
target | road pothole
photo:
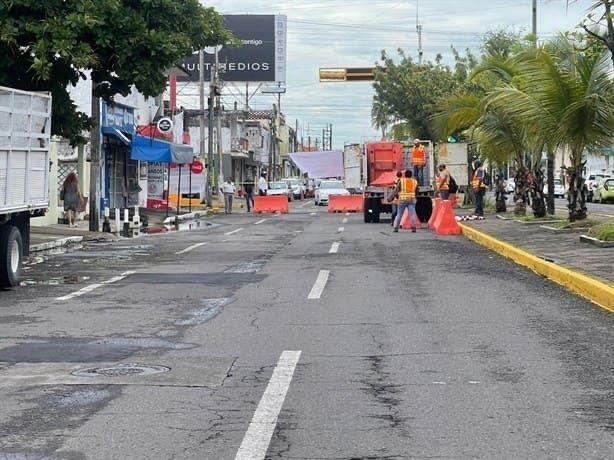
x: 121, y: 370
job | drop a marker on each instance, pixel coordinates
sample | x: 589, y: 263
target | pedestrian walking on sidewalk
x: 71, y: 196
x: 479, y: 188
x: 248, y: 188
x: 229, y: 190
x: 263, y: 185
x: 406, y: 190
x: 443, y: 182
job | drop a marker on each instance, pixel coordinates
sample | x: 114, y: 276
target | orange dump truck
x: 384, y: 159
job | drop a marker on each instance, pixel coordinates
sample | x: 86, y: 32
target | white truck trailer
x: 25, y: 139
x: 352, y: 166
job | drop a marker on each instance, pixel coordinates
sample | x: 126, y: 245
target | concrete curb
x: 59, y: 243
x: 592, y: 289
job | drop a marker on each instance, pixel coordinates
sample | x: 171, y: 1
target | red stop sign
x: 197, y: 167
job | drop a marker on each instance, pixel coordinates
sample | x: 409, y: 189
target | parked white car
x: 327, y: 188
x: 592, y: 181
x: 559, y: 189
x: 510, y: 185
x: 297, y: 185
x: 280, y: 188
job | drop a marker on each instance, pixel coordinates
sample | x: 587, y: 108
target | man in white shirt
x: 263, y: 185
x: 229, y: 190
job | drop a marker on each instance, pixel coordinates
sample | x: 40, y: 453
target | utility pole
x: 201, y: 90
x: 419, y: 30
x: 330, y: 136
x: 324, y: 138
x: 95, y: 163
x: 534, y: 28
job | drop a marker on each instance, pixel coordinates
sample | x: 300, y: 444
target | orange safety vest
x: 442, y: 182
x: 418, y: 156
x: 408, y: 189
x: 475, y: 182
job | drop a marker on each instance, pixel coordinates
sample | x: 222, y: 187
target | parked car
x: 280, y: 188
x: 510, y: 185
x: 327, y: 188
x: 297, y: 185
x: 604, y: 191
x: 592, y: 180
x: 559, y: 189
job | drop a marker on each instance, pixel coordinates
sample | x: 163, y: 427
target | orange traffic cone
x: 435, y: 213
x: 446, y: 224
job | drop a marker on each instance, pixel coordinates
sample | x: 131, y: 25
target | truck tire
x: 11, y: 254
x: 367, y: 214
x: 375, y: 217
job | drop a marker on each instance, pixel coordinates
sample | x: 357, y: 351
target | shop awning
x: 110, y: 131
x: 239, y: 155
x: 319, y: 165
x: 149, y: 149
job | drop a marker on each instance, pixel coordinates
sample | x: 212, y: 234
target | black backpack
x: 452, y: 185
x: 487, y: 179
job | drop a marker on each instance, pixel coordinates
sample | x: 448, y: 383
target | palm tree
x: 380, y: 116
x: 569, y: 95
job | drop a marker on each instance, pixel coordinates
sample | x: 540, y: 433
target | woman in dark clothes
x: 71, y: 196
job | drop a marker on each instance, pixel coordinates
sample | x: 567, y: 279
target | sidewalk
x: 59, y: 236
x: 564, y: 249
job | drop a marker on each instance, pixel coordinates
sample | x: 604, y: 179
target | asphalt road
x: 276, y: 341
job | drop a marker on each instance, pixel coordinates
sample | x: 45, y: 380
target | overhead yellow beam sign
x: 348, y: 74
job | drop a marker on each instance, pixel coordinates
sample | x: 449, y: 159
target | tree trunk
x: 537, y: 194
x: 521, y: 191
x: 500, y: 205
x: 577, y: 194
x: 550, y: 198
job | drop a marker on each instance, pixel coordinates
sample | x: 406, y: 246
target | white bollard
x: 126, y: 215
x: 107, y: 212
x: 118, y: 228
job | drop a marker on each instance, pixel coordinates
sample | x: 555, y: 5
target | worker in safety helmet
x: 418, y: 161
x: 443, y: 182
x: 406, y: 190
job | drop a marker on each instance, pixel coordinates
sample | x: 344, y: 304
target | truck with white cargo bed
x: 25, y: 139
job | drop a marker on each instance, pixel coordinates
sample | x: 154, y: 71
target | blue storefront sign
x: 118, y: 116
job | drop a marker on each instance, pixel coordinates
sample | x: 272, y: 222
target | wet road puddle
x: 247, y: 267
x: 70, y: 350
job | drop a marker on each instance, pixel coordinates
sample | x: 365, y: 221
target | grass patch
x: 532, y: 218
x: 603, y: 232
x: 586, y: 223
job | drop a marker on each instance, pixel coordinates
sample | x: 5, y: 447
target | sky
x: 352, y: 33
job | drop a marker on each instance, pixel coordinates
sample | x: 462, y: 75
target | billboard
x: 260, y: 58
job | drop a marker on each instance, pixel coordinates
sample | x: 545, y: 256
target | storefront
x: 120, y: 173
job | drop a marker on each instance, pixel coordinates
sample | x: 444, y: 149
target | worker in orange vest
x: 479, y: 188
x: 406, y: 191
x: 443, y: 182
x: 418, y: 161
x: 395, y: 202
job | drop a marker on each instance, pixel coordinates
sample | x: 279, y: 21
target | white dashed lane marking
x: 345, y: 220
x: 190, y: 248
x: 93, y: 287
x: 319, y: 285
x: 258, y: 436
x: 234, y: 231
x: 340, y: 230
x: 260, y: 222
x: 334, y: 248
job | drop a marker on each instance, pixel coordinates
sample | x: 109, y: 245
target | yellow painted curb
x: 594, y: 290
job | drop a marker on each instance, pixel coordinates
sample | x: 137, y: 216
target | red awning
x: 385, y: 179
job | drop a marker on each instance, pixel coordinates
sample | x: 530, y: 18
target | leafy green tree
x: 599, y: 24
x: 45, y: 45
x: 410, y: 92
